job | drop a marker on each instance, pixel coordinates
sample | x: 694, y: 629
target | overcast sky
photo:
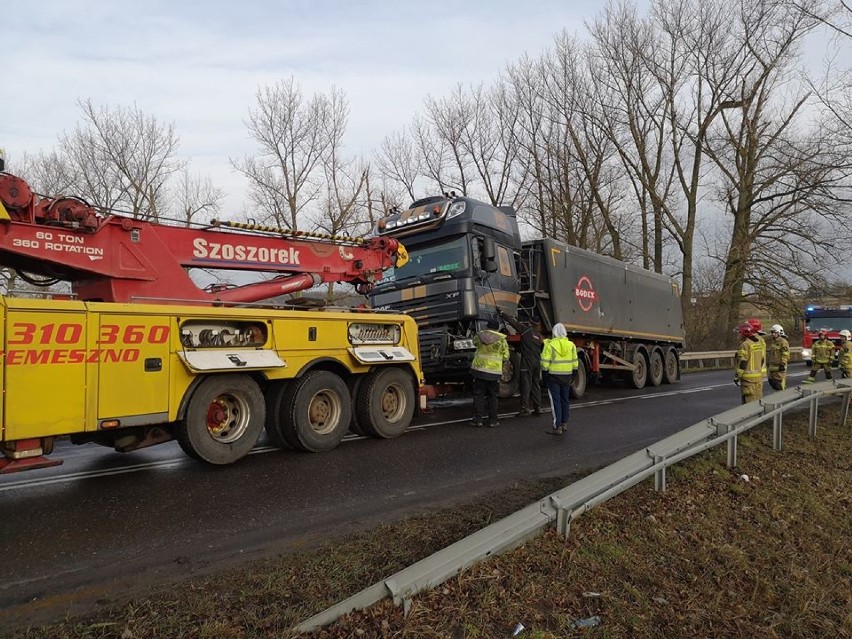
x: 199, y: 64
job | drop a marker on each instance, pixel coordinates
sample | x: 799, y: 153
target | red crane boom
x: 120, y: 259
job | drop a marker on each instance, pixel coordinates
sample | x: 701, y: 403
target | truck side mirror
x: 489, y: 255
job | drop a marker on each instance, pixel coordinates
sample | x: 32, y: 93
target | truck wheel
x: 655, y: 369
x: 314, y: 413
x: 671, y: 368
x: 223, y: 420
x: 355, y: 388
x: 578, y: 384
x: 274, y: 395
x: 639, y: 375
x: 385, y: 403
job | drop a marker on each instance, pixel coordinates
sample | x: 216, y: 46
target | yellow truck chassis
x: 132, y: 375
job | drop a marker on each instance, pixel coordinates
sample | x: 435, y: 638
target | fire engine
x: 832, y: 319
x: 139, y: 354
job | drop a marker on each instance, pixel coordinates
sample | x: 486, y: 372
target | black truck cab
x: 462, y: 268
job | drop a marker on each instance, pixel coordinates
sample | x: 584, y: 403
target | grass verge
x: 715, y: 555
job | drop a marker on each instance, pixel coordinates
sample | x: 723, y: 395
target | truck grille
x: 432, y: 310
x: 432, y: 345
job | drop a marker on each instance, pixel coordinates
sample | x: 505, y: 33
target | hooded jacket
x: 559, y: 357
x: 491, y: 351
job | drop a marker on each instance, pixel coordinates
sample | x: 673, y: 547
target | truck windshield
x: 446, y: 257
x: 831, y: 323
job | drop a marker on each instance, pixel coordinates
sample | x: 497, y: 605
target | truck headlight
x: 456, y: 208
x: 463, y: 344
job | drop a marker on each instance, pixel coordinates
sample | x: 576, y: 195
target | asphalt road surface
x: 106, y: 525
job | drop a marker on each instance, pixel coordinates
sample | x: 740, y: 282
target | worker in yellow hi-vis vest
x: 845, y: 353
x: 778, y: 351
x: 823, y: 353
x: 492, y: 352
x: 558, y: 363
x: 751, y: 364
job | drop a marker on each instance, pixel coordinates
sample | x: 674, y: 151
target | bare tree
x: 586, y: 149
x: 194, y: 195
x: 293, y: 137
x: 398, y: 161
x: 49, y: 174
x: 835, y: 14
x: 122, y: 158
x: 779, y: 178
x: 449, y: 118
x: 631, y: 110
x: 490, y: 144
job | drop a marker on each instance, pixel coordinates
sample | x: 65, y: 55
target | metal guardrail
x: 567, y: 504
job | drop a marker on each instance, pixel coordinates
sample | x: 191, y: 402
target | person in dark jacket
x: 530, y: 373
x: 492, y: 352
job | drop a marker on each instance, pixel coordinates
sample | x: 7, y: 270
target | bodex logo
x: 585, y: 293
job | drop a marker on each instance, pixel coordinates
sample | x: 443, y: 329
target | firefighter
x: 558, y: 363
x: 823, y: 353
x: 757, y: 326
x: 757, y: 329
x: 530, y: 371
x: 845, y: 353
x: 778, y: 356
x: 492, y: 351
x: 751, y: 363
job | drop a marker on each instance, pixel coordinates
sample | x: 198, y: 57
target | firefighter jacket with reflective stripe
x: 751, y: 360
x: 823, y: 351
x: 778, y: 352
x: 846, y: 355
x: 491, y: 351
x: 559, y: 356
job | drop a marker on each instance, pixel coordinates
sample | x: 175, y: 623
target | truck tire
x: 671, y: 368
x: 223, y: 419
x: 578, y: 384
x: 355, y: 388
x: 385, y: 403
x: 274, y: 395
x: 314, y: 413
x: 656, y: 368
x: 639, y: 375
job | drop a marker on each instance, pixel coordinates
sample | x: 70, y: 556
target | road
x: 107, y: 523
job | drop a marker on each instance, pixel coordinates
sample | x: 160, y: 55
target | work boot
x: 476, y: 422
x: 554, y: 430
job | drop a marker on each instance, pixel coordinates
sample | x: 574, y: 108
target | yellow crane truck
x: 139, y: 354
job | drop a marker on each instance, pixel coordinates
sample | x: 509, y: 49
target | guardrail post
x: 724, y: 429
x: 563, y: 516
x: 844, y: 411
x: 777, y: 426
x: 812, y: 417
x: 660, y: 475
x: 732, y: 448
